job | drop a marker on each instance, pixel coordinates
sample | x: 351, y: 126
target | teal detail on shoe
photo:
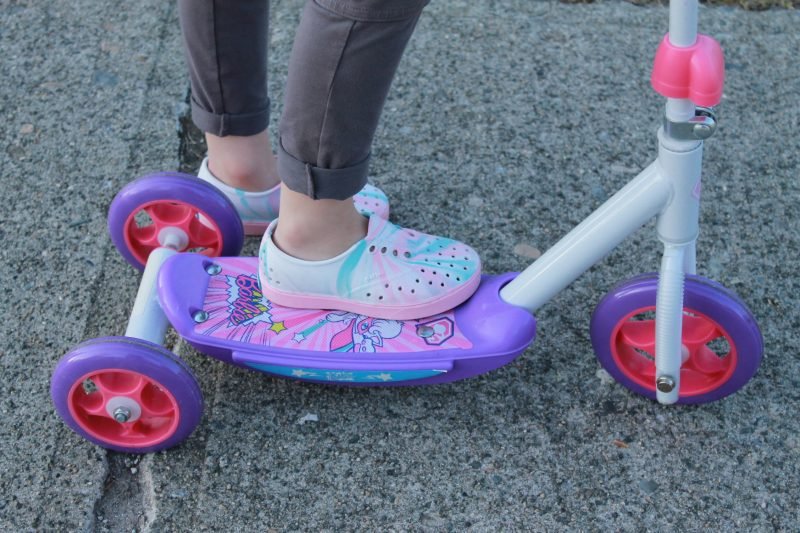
x: 433, y: 248
x: 343, y: 282
x: 463, y: 267
x: 373, y: 194
x: 247, y: 212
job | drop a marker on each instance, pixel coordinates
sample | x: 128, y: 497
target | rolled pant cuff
x: 222, y: 124
x: 321, y: 183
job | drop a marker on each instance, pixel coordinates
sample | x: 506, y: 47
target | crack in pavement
x: 127, y: 500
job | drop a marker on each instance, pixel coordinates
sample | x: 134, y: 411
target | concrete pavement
x: 508, y: 123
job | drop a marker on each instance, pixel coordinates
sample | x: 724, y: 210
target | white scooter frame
x: 668, y: 189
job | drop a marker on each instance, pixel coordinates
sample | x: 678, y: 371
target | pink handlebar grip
x: 696, y: 73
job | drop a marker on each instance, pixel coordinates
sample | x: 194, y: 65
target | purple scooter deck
x: 243, y: 328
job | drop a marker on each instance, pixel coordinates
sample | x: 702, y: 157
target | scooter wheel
x: 148, y: 210
x: 721, y: 340
x: 127, y: 395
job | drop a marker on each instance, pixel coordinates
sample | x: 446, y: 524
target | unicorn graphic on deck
x: 362, y: 334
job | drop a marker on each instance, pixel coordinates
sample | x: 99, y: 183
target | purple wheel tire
x: 722, y: 342
x: 127, y: 395
x: 144, y: 207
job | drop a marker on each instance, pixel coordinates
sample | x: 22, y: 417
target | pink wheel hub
x: 709, y: 353
x: 124, y: 408
x: 142, y: 235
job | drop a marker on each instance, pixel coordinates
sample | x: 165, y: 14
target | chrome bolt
x: 122, y: 414
x: 665, y: 384
x: 425, y: 331
x: 200, y: 317
x: 213, y: 269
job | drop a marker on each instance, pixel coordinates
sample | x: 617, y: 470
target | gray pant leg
x: 344, y: 58
x: 225, y: 42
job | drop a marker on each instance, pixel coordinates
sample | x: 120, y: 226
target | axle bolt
x: 122, y: 414
x: 213, y: 269
x: 200, y: 317
x: 665, y: 384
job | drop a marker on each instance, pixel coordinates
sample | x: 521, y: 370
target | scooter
x: 672, y: 336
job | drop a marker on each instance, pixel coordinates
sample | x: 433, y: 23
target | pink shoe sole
x: 399, y: 312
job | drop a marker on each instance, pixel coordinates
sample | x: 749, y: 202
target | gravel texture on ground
x: 508, y: 123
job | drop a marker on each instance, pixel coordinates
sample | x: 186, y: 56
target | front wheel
x: 127, y: 395
x: 722, y: 345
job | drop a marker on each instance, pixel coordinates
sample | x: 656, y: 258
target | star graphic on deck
x: 383, y: 376
x: 300, y: 373
x: 277, y: 327
x: 299, y: 337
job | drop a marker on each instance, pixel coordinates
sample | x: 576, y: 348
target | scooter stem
x: 683, y: 22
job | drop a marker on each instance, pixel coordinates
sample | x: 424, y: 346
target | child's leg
x: 226, y: 49
x: 320, y: 253
x: 344, y: 58
x: 243, y: 162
